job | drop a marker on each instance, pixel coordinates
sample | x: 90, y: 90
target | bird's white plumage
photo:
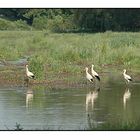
x: 88, y: 76
x: 126, y: 76
x: 93, y: 72
x: 28, y: 73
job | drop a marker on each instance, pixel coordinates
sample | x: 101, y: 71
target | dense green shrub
x: 13, y: 25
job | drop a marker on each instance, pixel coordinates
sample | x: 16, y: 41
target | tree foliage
x: 76, y: 20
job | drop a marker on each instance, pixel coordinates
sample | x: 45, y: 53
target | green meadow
x: 53, y: 56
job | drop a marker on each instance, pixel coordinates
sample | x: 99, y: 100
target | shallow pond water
x: 39, y: 108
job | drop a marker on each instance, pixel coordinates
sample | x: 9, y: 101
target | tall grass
x: 123, y: 126
x: 70, y: 53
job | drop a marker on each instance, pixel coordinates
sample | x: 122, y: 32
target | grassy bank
x: 117, y: 126
x: 58, y: 56
x: 122, y: 126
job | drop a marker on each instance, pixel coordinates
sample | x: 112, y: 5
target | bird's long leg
x: 86, y: 82
x: 95, y: 83
x: 27, y: 82
x: 126, y: 84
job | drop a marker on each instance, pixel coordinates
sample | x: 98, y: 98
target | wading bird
x: 29, y: 74
x: 126, y: 77
x: 94, y: 73
x: 88, y: 76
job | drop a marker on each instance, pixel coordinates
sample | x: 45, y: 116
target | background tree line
x: 70, y: 20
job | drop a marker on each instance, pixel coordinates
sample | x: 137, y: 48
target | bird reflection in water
x: 91, y: 98
x: 29, y: 97
x: 126, y: 97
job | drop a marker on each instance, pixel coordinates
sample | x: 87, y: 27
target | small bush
x: 40, y: 23
x: 37, y: 66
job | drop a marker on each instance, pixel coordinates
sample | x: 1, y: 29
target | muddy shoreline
x: 55, y: 83
x: 14, y: 75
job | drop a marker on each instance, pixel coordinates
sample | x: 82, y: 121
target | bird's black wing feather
x: 33, y: 76
x: 130, y: 79
x: 97, y: 77
x: 91, y: 80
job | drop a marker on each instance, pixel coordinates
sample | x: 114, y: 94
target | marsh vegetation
x: 55, y: 56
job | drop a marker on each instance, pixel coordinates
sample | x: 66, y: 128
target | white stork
x: 29, y: 74
x: 94, y: 73
x: 88, y: 76
x: 126, y: 76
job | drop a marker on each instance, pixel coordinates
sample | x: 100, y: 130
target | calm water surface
x: 37, y: 108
